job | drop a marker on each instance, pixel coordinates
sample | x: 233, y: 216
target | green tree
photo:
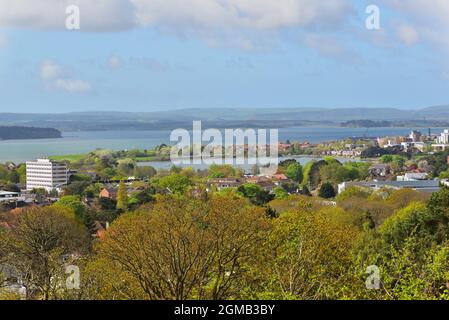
x: 255, y: 194
x: 175, y: 182
x: 280, y: 193
x: 144, y: 172
x: 221, y: 171
x: 306, y: 256
x: 73, y: 203
x: 354, y: 192
x: 122, y: 197
x: 21, y: 170
x: 294, y: 172
x: 76, y: 188
x: 327, y: 191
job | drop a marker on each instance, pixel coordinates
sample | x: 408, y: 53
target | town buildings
x: 46, y: 174
x: 442, y: 141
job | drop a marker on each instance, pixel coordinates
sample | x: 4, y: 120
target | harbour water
x: 82, y: 142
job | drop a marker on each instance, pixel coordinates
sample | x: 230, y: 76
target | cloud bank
x: 110, y: 15
x: 55, y: 77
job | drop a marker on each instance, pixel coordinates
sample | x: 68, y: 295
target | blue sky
x: 147, y: 55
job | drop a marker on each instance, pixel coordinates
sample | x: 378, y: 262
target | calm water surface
x: 82, y: 142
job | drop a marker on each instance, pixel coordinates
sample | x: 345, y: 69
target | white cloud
x: 426, y: 20
x: 98, y: 15
x: 265, y: 14
x: 55, y: 77
x: 74, y: 86
x: 236, y: 23
x: 407, y: 35
x: 178, y: 14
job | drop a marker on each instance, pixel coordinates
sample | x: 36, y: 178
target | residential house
x: 380, y: 170
x: 223, y: 183
x: 280, y: 178
x: 110, y: 193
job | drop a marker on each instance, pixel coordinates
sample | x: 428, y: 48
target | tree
x: 284, y: 164
x: 306, y: 256
x: 73, y: 203
x: 221, y: 171
x: 354, y: 192
x: 107, y: 173
x: 337, y: 173
x: 93, y: 190
x: 125, y: 167
x: 76, y: 188
x: 175, y: 182
x: 144, y: 172
x: 327, y: 191
x: 122, y: 197
x: 294, y: 172
x: 13, y: 177
x: 374, y: 152
x: 388, y: 158
x: 312, y: 177
x: 280, y: 193
x: 38, y: 243
x: 21, y: 170
x: 142, y: 197
x: 181, y: 248
x: 255, y: 194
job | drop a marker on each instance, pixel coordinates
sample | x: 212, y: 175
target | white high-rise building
x: 46, y: 174
x: 444, y: 137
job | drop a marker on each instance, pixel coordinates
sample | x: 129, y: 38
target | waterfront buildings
x: 46, y: 174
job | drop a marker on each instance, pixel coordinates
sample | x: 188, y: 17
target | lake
x: 81, y: 142
x: 246, y: 167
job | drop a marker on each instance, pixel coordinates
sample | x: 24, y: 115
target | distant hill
x: 13, y: 133
x: 224, y: 118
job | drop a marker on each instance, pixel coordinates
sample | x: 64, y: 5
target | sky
x: 150, y: 55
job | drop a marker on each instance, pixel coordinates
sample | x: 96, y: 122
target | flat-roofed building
x: 46, y: 174
x: 418, y: 185
x: 8, y: 196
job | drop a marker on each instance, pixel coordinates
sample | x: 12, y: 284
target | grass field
x: 77, y: 157
x: 69, y: 157
x: 151, y: 158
